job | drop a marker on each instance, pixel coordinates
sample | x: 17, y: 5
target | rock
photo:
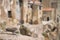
x: 11, y: 29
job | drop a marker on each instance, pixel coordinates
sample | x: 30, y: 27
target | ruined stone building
x: 37, y: 10
x: 29, y: 11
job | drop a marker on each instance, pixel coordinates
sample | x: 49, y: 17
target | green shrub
x: 3, y: 25
x: 24, y: 30
x: 45, y: 34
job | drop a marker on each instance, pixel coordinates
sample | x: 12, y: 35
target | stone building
x: 37, y: 10
x: 9, y: 10
x: 51, y: 4
x: 31, y: 7
x: 34, y: 11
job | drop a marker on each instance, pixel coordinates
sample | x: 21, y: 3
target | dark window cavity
x: 47, y: 18
x: 9, y: 14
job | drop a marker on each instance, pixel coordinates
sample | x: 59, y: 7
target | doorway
x: 48, y: 19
